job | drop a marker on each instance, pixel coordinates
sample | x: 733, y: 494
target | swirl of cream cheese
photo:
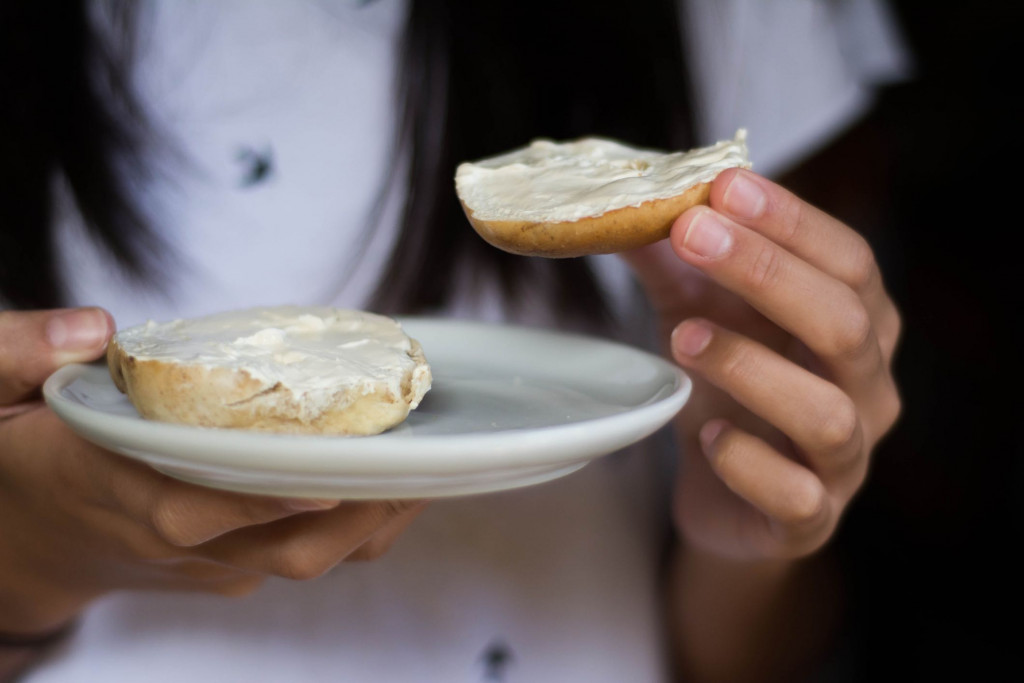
x: 316, y: 352
x: 556, y: 182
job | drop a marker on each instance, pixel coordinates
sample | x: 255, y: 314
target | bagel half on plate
x: 300, y: 370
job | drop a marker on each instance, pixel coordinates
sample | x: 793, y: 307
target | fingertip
x: 710, y: 431
x: 111, y: 323
x: 79, y: 334
x: 691, y: 337
x: 677, y: 235
x: 702, y: 235
x: 741, y: 194
x: 719, y: 185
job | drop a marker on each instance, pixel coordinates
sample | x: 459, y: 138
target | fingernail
x: 83, y: 329
x: 707, y: 236
x: 308, y: 504
x: 710, y: 431
x: 743, y: 197
x: 691, y: 337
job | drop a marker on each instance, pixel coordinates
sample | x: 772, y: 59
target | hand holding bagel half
x: 589, y: 196
x: 776, y: 308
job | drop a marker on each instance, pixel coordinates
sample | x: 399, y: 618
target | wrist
x: 32, y: 623
x: 28, y: 622
x: 39, y: 594
x: 758, y: 578
x: 752, y: 619
x: 36, y: 640
x: 32, y: 610
x: 20, y: 652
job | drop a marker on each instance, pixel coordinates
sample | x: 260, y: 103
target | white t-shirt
x: 283, y: 114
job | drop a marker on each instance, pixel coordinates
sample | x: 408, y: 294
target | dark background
x: 929, y: 548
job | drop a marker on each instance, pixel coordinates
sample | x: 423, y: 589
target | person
x: 278, y: 146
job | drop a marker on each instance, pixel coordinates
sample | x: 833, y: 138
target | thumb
x: 35, y: 343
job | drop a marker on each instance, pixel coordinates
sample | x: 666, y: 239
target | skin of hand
x: 77, y: 521
x: 779, y: 314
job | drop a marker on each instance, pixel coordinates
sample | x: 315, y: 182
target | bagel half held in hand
x: 589, y: 196
x: 300, y: 370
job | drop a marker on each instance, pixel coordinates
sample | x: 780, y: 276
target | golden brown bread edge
x: 618, y: 230
x: 205, y: 396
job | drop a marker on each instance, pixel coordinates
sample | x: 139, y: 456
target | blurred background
x: 930, y: 547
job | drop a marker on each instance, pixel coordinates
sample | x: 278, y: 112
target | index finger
x: 812, y: 235
x: 801, y: 228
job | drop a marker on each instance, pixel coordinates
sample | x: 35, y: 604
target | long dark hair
x: 482, y: 77
x: 477, y: 78
x: 67, y: 114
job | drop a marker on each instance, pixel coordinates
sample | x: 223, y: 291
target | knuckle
x: 300, y: 563
x: 890, y: 329
x: 737, y: 364
x: 863, y: 270
x: 807, y: 501
x: 766, y: 268
x: 791, y: 218
x: 169, y: 520
x: 840, y: 424
x: 888, y: 409
x: 892, y: 408
x: 854, y: 333
x: 896, y: 323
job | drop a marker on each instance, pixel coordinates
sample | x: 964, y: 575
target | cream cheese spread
x: 557, y: 182
x: 316, y: 352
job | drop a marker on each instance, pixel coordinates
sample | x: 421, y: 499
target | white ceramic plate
x: 509, y: 407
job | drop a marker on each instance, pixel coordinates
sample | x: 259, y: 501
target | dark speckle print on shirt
x: 496, y: 659
x: 257, y: 165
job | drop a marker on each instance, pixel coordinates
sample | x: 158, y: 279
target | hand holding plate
x: 77, y: 521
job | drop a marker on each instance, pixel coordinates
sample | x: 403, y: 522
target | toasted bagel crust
x: 618, y: 230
